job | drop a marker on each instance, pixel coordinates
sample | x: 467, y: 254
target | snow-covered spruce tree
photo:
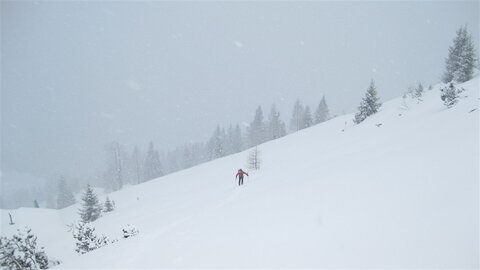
x: 108, y: 206
x: 237, y: 140
x: 256, y: 132
x: 192, y: 154
x: 116, y: 158
x: 136, y: 165
x: 65, y: 196
x: 91, y: 209
x: 275, y: 125
x: 218, y: 143
x: 369, y: 104
x: 21, y: 252
x: 129, y: 231
x: 153, y: 166
x: 86, y: 238
x: 228, y: 140
x: 307, y: 117
x: 296, y: 122
x: 461, y: 60
x: 321, y: 113
x: 233, y: 140
x: 418, y: 92
x: 254, y: 161
x: 449, y: 95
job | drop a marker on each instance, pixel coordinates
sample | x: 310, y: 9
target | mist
x: 76, y: 76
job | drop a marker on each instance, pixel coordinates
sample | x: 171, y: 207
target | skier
x: 240, y: 174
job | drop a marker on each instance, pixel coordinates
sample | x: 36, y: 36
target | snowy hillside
x: 401, y: 194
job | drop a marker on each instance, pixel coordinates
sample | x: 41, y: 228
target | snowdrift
x: 399, y: 190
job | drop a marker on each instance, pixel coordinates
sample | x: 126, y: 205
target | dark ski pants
x: 240, y: 180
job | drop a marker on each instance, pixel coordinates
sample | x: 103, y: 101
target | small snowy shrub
x: 418, y: 92
x: 86, y: 238
x: 450, y: 95
x: 21, y: 252
x: 129, y: 231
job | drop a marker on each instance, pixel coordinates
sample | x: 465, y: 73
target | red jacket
x: 240, y: 173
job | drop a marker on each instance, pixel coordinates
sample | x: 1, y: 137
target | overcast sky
x: 75, y: 75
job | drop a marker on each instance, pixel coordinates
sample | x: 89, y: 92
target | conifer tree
x: 276, y: 127
x: 257, y: 128
x: 91, y: 208
x: 136, y: 164
x: 21, y: 252
x: 35, y: 204
x: 65, y: 196
x: 369, y: 105
x: 296, y: 122
x: 461, y: 60
x: 449, y: 95
x: 115, y: 175
x: 233, y: 140
x: 322, y: 113
x: 418, y: 92
x: 153, y: 166
x: 86, y: 238
x: 216, y: 144
x: 237, y: 140
x: 307, y: 117
x: 108, y: 206
x: 188, y: 159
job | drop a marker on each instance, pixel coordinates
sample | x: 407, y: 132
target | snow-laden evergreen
x: 297, y: 119
x: 370, y: 104
x: 86, y: 239
x: 91, y: 208
x: 22, y: 252
x: 462, y: 58
x: 256, y: 131
x: 153, y: 166
x: 307, y: 117
x: 65, y: 195
x: 450, y: 94
x: 322, y: 113
x: 108, y: 205
x: 275, y: 125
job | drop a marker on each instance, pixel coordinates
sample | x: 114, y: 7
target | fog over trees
x: 142, y: 90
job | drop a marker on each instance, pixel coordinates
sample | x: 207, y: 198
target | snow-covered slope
x: 401, y: 194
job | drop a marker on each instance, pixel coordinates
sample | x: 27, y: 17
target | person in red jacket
x: 240, y: 175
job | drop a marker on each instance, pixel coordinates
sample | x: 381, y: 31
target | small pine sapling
x: 418, y: 93
x: 449, y: 95
x: 108, y: 206
x: 21, y: 252
x: 91, y: 208
x: 369, y: 105
x: 86, y: 238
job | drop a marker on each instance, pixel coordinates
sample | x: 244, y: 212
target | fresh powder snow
x: 399, y: 190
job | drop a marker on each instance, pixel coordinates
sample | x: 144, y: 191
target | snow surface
x: 404, y: 194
